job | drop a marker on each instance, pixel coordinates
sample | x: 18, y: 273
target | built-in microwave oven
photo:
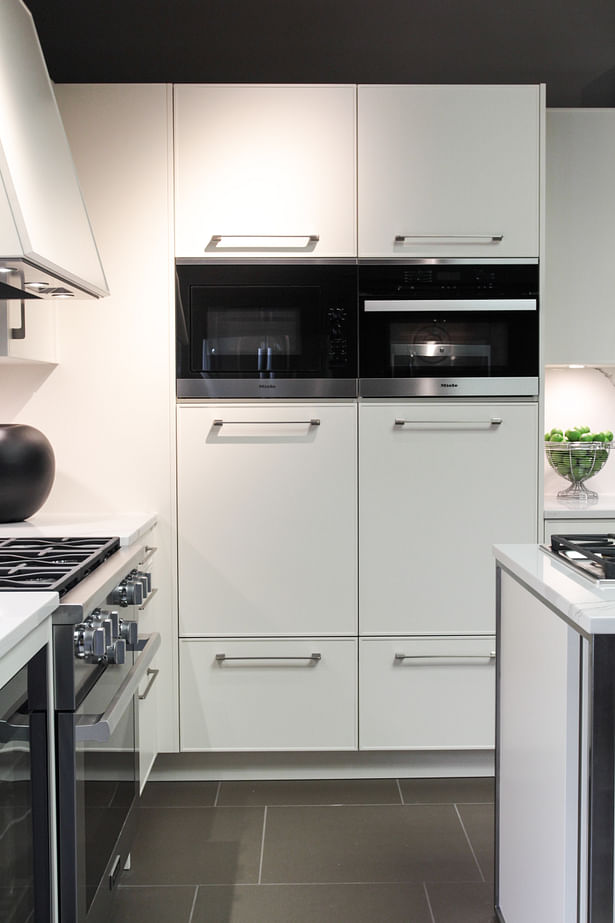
x: 448, y: 328
x: 266, y: 329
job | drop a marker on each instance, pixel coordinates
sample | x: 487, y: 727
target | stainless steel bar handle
x: 490, y: 656
x: 494, y: 421
x: 153, y: 674
x: 262, y: 241
x: 104, y: 727
x: 313, y: 422
x: 150, y: 551
x: 314, y: 656
x: 468, y: 238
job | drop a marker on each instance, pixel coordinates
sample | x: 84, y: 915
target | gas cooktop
x: 592, y: 555
x: 55, y: 564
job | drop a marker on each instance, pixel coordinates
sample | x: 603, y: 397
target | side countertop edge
x: 128, y: 527
x: 20, y: 615
x: 584, y: 604
x: 603, y: 508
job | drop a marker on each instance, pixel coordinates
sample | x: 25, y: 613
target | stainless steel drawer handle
x: 152, y: 673
x: 263, y: 242
x: 490, y: 656
x: 442, y: 238
x: 494, y: 421
x: 312, y: 657
x: 150, y: 551
x: 312, y: 422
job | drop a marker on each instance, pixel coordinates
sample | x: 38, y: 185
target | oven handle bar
x: 105, y: 726
x: 420, y: 305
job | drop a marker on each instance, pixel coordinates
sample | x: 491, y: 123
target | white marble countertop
x: 128, y: 527
x: 20, y: 615
x: 602, y: 508
x: 586, y: 604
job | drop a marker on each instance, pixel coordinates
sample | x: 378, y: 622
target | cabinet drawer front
x: 426, y: 693
x: 268, y: 695
x: 267, y: 520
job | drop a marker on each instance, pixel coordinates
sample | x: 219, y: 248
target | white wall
x: 108, y: 406
x: 581, y: 397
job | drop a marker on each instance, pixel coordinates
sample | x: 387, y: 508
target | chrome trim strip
x: 448, y: 387
x: 451, y: 304
x: 267, y: 388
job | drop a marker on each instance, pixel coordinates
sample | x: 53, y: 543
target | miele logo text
x: 446, y: 384
x: 267, y: 386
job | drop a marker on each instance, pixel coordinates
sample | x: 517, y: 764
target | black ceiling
x: 567, y: 44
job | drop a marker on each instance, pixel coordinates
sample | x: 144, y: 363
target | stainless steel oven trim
x: 241, y: 388
x: 104, y: 727
x: 448, y: 387
x: 448, y: 261
x: 450, y: 304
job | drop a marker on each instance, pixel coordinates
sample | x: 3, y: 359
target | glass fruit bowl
x: 576, y: 462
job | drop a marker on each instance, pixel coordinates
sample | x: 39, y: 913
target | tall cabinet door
x: 439, y: 485
x: 448, y: 170
x: 269, y: 169
x: 267, y: 519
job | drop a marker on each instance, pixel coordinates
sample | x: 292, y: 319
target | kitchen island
x: 555, y: 765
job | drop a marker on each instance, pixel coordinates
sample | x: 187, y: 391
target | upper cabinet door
x: 265, y: 171
x: 448, y: 171
x: 580, y: 230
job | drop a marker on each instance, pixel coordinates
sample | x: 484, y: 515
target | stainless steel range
x: 591, y: 555
x: 99, y: 660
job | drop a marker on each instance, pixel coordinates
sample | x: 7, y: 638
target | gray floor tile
x: 447, y: 791
x: 179, y: 794
x: 376, y: 903
x: 384, y: 843
x: 478, y: 820
x: 461, y: 903
x: 156, y: 905
x: 190, y: 846
x: 311, y: 791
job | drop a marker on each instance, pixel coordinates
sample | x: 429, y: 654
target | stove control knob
x: 127, y: 593
x: 116, y: 652
x: 90, y: 642
x: 146, y: 579
x: 129, y: 631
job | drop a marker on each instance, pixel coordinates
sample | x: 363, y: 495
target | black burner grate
x: 56, y: 564
x: 592, y: 553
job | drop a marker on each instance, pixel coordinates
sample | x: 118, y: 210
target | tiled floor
x: 373, y: 851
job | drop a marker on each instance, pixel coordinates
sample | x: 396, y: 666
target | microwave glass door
x: 269, y: 330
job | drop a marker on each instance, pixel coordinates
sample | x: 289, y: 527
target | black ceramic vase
x: 27, y: 469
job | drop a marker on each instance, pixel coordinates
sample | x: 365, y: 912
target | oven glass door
x: 106, y: 789
x: 24, y: 808
x: 457, y: 330
x: 241, y: 326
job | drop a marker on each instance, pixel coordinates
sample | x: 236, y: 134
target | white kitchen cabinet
x: 267, y: 521
x: 253, y: 163
x: 579, y: 234
x: 274, y: 694
x: 28, y: 333
x: 435, y: 492
x: 147, y: 698
x: 448, y: 170
x: 426, y: 693
x: 538, y: 785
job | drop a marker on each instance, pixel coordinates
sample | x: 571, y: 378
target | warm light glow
x: 572, y: 366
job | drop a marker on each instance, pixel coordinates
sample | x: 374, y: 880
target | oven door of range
x: 98, y: 784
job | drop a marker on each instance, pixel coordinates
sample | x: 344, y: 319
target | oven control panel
x: 103, y: 637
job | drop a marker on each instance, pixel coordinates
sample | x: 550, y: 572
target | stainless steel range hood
x: 47, y: 248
